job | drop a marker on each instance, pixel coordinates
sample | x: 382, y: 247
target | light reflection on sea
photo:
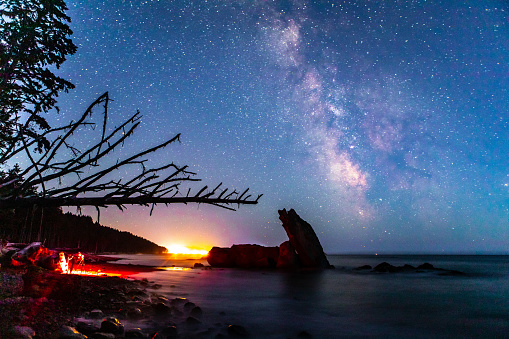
x: 343, y: 302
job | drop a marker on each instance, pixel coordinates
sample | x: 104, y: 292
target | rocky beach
x: 36, y: 303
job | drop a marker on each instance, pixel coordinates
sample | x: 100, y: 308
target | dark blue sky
x: 384, y: 124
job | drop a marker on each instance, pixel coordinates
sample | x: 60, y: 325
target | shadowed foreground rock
x: 303, y: 250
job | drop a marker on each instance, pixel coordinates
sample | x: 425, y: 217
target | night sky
x: 384, y: 124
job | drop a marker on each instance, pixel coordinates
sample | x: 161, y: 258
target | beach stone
x: 237, y: 331
x: 87, y: 328
x: 192, y: 321
x: 196, y: 312
x: 177, y: 312
x: 178, y: 301
x: 22, y: 332
x: 134, y: 313
x: 426, y: 266
x: 112, y: 325
x: 137, y: 291
x: 135, y: 333
x: 102, y: 335
x: 385, y: 267
x: 189, y: 305
x: 198, y: 265
x: 161, y: 308
x: 169, y: 332
x: 96, y: 314
x: 68, y: 332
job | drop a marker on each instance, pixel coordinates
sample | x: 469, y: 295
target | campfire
x: 65, y: 262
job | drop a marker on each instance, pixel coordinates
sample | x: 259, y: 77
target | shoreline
x: 49, y: 304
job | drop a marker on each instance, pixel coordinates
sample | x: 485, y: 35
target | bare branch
x: 151, y: 186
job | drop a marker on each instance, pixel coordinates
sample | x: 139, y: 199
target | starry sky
x: 384, y: 124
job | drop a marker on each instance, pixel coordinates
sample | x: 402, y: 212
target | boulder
x: 112, y: 325
x: 303, y: 238
x: 237, y: 331
x: 220, y: 257
x: 135, y: 333
x: 288, y: 258
x: 254, y: 256
x: 22, y: 332
x: 68, y: 332
x: 386, y: 267
x: 244, y: 256
x: 426, y: 266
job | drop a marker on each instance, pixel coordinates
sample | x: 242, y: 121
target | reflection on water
x: 174, y: 268
x: 343, y: 302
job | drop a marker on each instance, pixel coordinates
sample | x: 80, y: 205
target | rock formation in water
x: 288, y: 258
x: 303, y: 249
x: 303, y: 238
x: 244, y: 256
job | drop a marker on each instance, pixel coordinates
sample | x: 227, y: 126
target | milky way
x: 384, y: 124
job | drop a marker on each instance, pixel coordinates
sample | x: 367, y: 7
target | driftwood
x: 86, y: 181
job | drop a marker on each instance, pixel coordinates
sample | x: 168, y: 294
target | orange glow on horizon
x: 182, y: 250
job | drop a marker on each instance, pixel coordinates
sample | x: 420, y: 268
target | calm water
x: 346, y: 303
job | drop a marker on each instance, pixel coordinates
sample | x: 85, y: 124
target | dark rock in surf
x: 385, y: 267
x: 237, y: 331
x: 426, y: 266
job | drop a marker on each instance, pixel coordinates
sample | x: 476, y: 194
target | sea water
x: 343, y: 302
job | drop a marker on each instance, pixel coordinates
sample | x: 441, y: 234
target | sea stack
x: 304, y: 240
x: 302, y: 250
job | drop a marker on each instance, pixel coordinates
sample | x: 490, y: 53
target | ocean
x: 343, y: 302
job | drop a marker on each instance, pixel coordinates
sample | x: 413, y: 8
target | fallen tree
x: 86, y: 181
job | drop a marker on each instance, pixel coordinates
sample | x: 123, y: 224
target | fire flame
x: 63, y: 264
x: 75, y: 264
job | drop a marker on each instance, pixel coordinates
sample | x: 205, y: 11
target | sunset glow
x: 178, y: 249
